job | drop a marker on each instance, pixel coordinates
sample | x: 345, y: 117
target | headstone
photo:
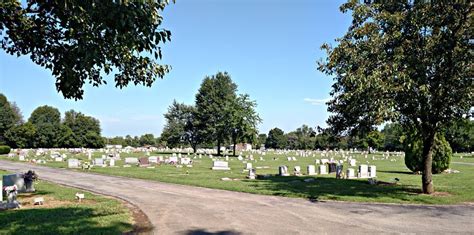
x: 112, y: 162
x: 38, y: 201
x: 283, y: 171
x: 72, y: 163
x: 240, y: 158
x: 372, y: 171
x: 185, y: 161
x: 289, y: 159
x: 311, y: 170
x: 363, y: 171
x: 15, y: 179
x: 220, y: 165
x: 350, y: 173
x: 58, y: 159
x: 324, y: 161
x: 144, y: 162
x: 248, y: 166
x: 251, y: 174
x: 297, y: 170
x: 317, y: 162
x: 21, y: 158
x: 131, y: 160
x: 293, y: 158
x: 89, y: 155
x: 153, y: 159
x: 79, y: 196
x: 173, y: 160
x: 323, y: 170
x: 99, y: 162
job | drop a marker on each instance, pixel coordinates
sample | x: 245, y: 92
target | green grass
x: 456, y: 188
x: 62, y: 214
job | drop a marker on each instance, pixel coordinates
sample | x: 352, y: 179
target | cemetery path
x: 179, y: 209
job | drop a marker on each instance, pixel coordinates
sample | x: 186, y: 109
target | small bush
x: 4, y: 149
x: 442, y: 154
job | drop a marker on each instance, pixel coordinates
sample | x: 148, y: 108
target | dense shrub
x: 442, y: 154
x: 4, y: 149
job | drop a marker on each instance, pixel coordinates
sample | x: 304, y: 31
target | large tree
x: 177, y: 118
x: 244, y: 120
x: 84, y: 128
x: 276, y: 139
x: 405, y: 61
x: 47, y: 121
x: 21, y: 136
x: 216, y: 94
x: 81, y: 41
x: 9, y: 116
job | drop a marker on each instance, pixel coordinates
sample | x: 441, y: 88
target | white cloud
x: 317, y: 101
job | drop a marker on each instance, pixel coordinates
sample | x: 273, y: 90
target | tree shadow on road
x: 324, y: 188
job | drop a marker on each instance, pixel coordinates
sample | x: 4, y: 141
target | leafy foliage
x: 80, y: 41
x: 214, y: 102
x: 276, y: 139
x: 4, y: 149
x: 404, y: 61
x: 8, y: 116
x: 442, y: 154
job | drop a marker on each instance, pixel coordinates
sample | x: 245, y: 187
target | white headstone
x: 317, y: 162
x: 350, y: 173
x: 283, y: 171
x: 248, y: 166
x: 363, y: 171
x: 99, y: 162
x: 324, y: 161
x: 21, y: 158
x: 173, y: 159
x: 131, y: 160
x: 153, y: 159
x: 112, y: 162
x: 58, y: 159
x: 72, y: 163
x: 289, y: 159
x: 220, y: 165
x: 185, y: 161
x: 311, y: 170
x: 251, y: 174
x: 89, y: 155
x: 323, y: 170
x: 372, y: 171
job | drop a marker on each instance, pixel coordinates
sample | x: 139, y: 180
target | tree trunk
x: 234, y: 140
x: 218, y: 148
x: 194, y: 148
x: 427, y: 177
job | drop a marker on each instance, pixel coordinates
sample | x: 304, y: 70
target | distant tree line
x: 392, y: 137
x: 45, y: 128
x: 136, y: 141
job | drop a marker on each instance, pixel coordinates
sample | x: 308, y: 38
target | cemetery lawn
x: 62, y: 214
x: 452, y: 188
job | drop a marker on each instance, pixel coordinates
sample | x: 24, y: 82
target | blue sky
x: 270, y: 48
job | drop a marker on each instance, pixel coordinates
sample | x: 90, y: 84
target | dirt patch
x: 141, y: 223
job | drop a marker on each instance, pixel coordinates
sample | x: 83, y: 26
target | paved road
x: 191, y: 210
